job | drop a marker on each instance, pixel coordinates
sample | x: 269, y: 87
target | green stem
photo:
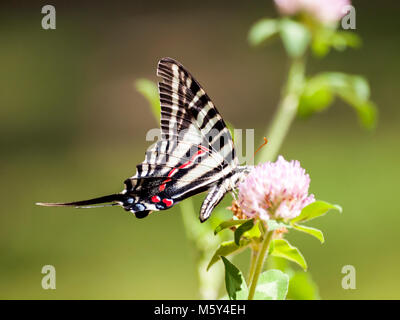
x: 253, y: 260
x: 209, y: 282
x: 260, y: 263
x: 286, y: 112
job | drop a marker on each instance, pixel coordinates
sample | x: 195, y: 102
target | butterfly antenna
x: 91, y: 203
x: 259, y: 148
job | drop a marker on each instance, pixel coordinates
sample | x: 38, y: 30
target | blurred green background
x: 72, y: 126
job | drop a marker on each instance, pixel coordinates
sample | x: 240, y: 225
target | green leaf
x: 295, y: 37
x: 326, y: 38
x: 320, y: 46
x: 353, y: 87
x: 302, y: 287
x: 311, y: 231
x: 322, y: 40
x: 235, y: 283
x: 274, y: 225
x: 317, y: 95
x: 229, y: 224
x: 254, y: 233
x: 314, y: 210
x: 248, y: 225
x: 271, y: 247
x: 283, y: 249
x: 340, y: 40
x: 262, y: 30
x: 225, y: 249
x: 319, y: 91
x: 367, y: 113
x: 272, y: 285
x: 150, y: 91
x: 277, y: 262
x: 355, y: 91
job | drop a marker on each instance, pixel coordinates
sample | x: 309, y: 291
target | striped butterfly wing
x: 195, y: 153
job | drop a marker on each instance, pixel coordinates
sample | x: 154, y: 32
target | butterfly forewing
x: 185, y: 105
x: 196, y: 150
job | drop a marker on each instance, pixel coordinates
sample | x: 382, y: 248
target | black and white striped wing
x: 196, y: 151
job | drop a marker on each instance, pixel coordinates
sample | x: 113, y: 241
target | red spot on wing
x: 155, y: 199
x: 171, y: 172
x: 168, y: 202
x: 162, y: 187
x: 198, y: 153
x: 204, y: 148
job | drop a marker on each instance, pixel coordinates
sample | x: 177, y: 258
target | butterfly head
x: 243, y: 171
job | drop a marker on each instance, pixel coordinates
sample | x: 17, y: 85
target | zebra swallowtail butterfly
x: 195, y: 153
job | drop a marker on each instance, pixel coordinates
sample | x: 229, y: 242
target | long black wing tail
x: 115, y: 199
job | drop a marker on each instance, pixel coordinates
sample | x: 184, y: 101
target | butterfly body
x: 195, y: 153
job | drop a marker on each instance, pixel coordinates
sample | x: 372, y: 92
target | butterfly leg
x: 234, y: 194
x: 214, y: 196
